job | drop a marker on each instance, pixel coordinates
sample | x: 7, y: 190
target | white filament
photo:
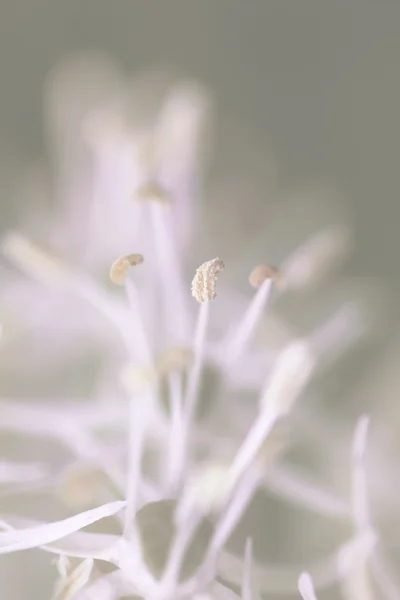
x: 235, y: 346
x: 174, y: 288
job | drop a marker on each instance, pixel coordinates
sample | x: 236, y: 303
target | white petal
x: 11, y: 541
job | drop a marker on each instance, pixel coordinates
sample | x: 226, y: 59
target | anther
x: 121, y: 265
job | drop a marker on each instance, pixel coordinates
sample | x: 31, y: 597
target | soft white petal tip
x: 306, y: 587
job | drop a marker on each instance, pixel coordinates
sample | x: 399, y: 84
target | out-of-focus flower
x: 193, y: 407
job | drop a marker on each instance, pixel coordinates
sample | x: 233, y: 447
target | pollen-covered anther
x: 121, y: 265
x: 152, y: 191
x: 205, y: 280
x: 261, y: 273
x: 174, y: 359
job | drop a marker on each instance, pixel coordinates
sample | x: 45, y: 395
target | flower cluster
x: 163, y: 447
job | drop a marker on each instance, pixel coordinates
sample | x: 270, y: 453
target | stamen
x: 175, y: 459
x: 142, y: 342
x: 204, y: 282
x: 50, y: 269
x: 261, y: 277
x: 290, y: 374
x: 139, y: 413
x: 203, y: 289
x: 262, y: 273
x: 207, y: 490
x: 121, y: 265
x: 177, y: 321
x: 306, y: 587
x: 247, y: 582
x: 356, y: 581
x: 234, y: 511
x: 359, y: 491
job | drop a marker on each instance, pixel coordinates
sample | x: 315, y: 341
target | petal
x: 12, y: 541
x: 81, y: 544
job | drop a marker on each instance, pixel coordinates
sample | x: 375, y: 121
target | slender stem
x: 236, y: 345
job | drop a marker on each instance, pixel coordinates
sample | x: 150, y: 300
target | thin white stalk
x: 356, y: 583
x: 236, y: 344
x: 359, y: 497
x: 138, y: 423
x: 183, y: 537
x: 175, y: 458
x: 174, y: 288
x: 252, y: 444
x: 234, y: 511
x: 247, y: 583
x: 290, y: 374
x: 192, y: 389
x: 306, y: 587
x: 195, y: 372
x: 143, y: 352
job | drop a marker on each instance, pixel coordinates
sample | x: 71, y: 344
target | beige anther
x: 261, y: 273
x: 205, y: 279
x: 121, y: 265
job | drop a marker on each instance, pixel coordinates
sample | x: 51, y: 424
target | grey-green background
x: 318, y: 79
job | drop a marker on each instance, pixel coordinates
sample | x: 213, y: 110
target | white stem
x: 247, y: 583
x: 195, y: 372
x: 143, y: 351
x: 236, y: 345
x: 192, y: 389
x: 138, y: 422
x: 181, y: 541
x: 355, y: 582
x: 174, y: 289
x: 359, y: 498
x: 175, y: 448
x: 252, y: 444
x: 235, y: 510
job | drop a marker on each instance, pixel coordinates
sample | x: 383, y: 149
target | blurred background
x: 306, y: 94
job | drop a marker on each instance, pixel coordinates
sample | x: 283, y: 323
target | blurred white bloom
x: 181, y: 456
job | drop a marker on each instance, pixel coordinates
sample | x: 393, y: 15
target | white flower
x: 181, y: 453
